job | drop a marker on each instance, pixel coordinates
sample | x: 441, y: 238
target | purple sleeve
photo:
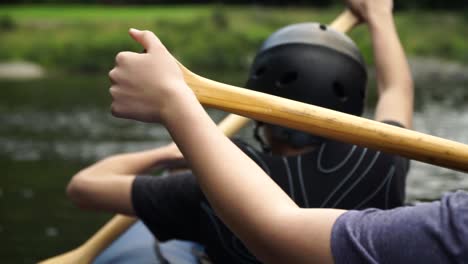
x: 434, y: 232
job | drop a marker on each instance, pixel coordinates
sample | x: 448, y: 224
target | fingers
x: 113, y: 76
x: 146, y: 38
x: 134, y: 73
x: 122, y: 60
x: 119, y: 107
x: 118, y: 111
x: 123, y: 57
x: 115, y: 109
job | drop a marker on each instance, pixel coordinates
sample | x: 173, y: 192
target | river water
x: 45, y: 137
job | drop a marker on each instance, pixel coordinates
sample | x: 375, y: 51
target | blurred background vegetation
x: 56, y: 123
x: 83, y: 39
x: 426, y: 4
x: 86, y: 39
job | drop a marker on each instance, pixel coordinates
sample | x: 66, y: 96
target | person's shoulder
x: 452, y: 205
x: 455, y: 204
x: 438, y: 225
x: 456, y: 201
x: 336, y: 150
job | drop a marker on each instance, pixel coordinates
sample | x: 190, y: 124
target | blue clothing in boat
x: 138, y: 245
x: 434, y: 232
x: 334, y: 175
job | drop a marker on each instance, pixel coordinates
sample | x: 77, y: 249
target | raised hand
x: 145, y: 85
x: 369, y: 10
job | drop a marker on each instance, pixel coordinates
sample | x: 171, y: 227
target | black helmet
x: 314, y: 64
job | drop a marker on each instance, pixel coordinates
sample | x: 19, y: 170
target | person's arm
x: 433, y: 232
x: 394, y: 81
x: 271, y: 225
x: 106, y: 185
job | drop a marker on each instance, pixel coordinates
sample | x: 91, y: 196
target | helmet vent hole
x: 323, y: 27
x: 259, y: 72
x: 339, y: 91
x: 286, y: 79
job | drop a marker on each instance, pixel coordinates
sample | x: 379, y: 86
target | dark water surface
x: 51, y: 128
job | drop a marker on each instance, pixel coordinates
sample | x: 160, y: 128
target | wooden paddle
x: 88, y: 251
x: 328, y: 123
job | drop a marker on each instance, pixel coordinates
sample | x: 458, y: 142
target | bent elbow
x: 78, y: 190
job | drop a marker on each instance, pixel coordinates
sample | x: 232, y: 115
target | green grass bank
x: 85, y: 39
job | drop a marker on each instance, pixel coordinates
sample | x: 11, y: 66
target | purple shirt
x: 434, y: 232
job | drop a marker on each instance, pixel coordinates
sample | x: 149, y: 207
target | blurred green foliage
x: 205, y: 38
x: 7, y: 23
x: 400, y: 4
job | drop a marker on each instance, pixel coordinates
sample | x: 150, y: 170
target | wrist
x: 177, y: 103
x: 182, y: 102
x: 377, y: 17
x: 377, y: 21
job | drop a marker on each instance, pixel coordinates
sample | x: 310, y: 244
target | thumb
x: 146, y: 38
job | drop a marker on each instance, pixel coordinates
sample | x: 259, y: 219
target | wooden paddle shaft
x: 232, y: 123
x: 328, y: 123
x: 345, y: 21
x: 87, y: 252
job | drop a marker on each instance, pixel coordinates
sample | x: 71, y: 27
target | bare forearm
x: 106, y: 185
x: 394, y: 81
x: 241, y: 193
x: 132, y: 163
x: 391, y: 63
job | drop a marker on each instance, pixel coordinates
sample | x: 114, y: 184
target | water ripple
x: 91, y: 134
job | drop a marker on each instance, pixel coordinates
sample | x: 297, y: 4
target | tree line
x: 400, y: 4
